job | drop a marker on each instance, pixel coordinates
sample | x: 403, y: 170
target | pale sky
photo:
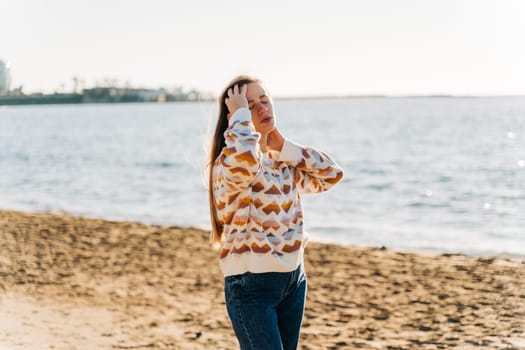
x: 393, y: 47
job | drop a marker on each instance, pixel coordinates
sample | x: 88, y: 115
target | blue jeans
x: 266, y: 309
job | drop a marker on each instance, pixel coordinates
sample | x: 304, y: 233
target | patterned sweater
x: 257, y: 196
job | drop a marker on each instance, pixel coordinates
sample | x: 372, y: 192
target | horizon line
x: 290, y: 97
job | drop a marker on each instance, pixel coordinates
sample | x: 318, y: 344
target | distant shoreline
x: 342, y: 97
x: 62, y: 99
x: 102, y: 95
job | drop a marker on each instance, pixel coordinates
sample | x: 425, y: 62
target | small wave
x: 428, y: 205
x: 444, y: 178
x: 21, y: 156
x: 510, y: 256
x: 380, y: 187
x: 157, y: 164
x: 372, y: 171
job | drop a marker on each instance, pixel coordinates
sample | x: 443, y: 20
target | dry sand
x: 69, y: 282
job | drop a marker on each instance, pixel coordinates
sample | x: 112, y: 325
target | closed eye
x: 265, y: 102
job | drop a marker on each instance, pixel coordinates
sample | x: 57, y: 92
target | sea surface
x: 439, y: 174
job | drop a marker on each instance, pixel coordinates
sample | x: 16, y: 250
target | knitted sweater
x: 257, y: 197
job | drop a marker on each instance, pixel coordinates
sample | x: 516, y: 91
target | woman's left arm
x: 315, y: 170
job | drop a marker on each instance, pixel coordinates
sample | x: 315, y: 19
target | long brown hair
x: 217, y: 145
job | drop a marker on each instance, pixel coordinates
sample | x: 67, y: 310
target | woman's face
x: 261, y: 107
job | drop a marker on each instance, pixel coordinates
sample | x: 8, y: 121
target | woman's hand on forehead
x: 236, y: 99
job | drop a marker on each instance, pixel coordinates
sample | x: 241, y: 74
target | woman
x: 256, y: 178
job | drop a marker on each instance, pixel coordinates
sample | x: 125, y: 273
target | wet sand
x: 69, y: 282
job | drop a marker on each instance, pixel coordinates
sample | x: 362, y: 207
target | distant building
x: 5, y: 77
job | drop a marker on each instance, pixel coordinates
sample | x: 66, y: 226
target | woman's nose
x: 261, y: 109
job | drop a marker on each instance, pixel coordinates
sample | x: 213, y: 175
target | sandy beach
x: 69, y: 282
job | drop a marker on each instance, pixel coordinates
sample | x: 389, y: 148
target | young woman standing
x: 256, y: 179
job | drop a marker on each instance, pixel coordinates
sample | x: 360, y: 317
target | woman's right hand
x: 236, y: 99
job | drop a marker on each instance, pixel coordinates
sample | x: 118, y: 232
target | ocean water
x: 438, y: 174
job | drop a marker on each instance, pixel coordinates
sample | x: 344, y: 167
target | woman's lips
x: 266, y: 119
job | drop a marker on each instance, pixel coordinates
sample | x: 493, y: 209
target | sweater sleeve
x: 315, y: 171
x: 241, y: 157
